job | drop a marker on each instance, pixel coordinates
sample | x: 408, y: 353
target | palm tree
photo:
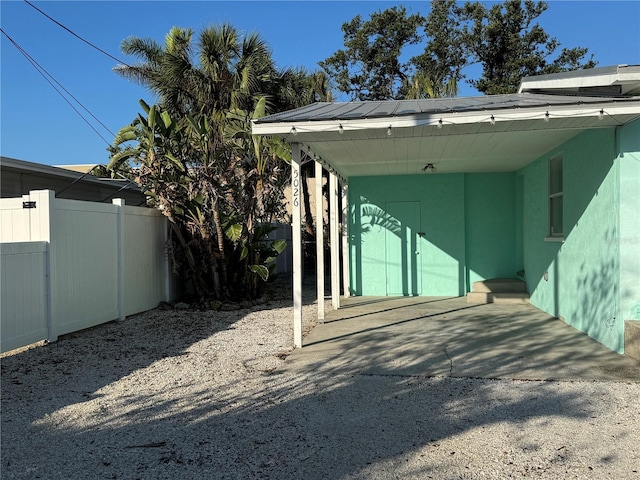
x: 423, y: 85
x: 298, y: 87
x: 201, y: 85
x: 222, y: 71
x: 232, y: 181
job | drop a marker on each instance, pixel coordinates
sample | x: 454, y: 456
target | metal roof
x: 20, y: 176
x: 494, y: 133
x: 336, y: 111
x: 23, y: 166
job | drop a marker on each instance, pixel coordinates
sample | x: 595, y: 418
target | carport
x: 447, y: 337
x: 502, y: 133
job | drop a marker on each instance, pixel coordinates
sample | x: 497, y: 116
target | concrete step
x: 632, y: 339
x: 500, y: 285
x: 506, y: 298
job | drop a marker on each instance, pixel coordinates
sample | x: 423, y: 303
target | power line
x: 42, y: 71
x: 33, y: 61
x: 76, y: 35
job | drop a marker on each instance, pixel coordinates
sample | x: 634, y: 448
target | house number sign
x: 296, y: 187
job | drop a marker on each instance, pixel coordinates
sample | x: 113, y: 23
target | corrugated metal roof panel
x: 408, y: 106
x: 395, y: 108
x: 347, y: 111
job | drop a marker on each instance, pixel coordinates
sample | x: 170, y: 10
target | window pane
x: 555, y: 175
x: 555, y: 210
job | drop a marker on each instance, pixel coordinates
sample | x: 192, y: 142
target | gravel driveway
x: 188, y: 395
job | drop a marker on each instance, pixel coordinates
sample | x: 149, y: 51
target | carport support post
x: 333, y: 229
x: 345, y: 241
x: 296, y: 239
x: 319, y: 241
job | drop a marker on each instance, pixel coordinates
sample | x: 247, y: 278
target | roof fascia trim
x: 450, y: 118
x: 32, y: 167
x: 25, y: 167
x: 597, y: 77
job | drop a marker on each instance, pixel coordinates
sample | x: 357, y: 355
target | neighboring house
x: 542, y: 185
x: 73, y: 254
x: 20, y: 177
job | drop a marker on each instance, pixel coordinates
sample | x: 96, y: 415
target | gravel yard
x: 198, y: 394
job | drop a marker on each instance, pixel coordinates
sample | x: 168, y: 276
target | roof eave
x: 574, y: 80
x: 290, y: 129
x: 38, y: 169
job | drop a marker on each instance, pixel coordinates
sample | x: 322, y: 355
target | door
x: 402, y: 248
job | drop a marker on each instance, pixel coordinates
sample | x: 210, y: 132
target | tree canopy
x: 505, y: 39
x: 509, y: 45
x: 195, y: 157
x: 369, y: 67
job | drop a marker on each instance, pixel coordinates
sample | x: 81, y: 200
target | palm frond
x: 120, y: 157
x: 126, y: 134
x: 144, y: 48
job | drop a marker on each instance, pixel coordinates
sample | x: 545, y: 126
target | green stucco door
x: 402, y: 248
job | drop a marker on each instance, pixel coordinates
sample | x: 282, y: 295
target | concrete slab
x: 632, y: 339
x: 444, y: 336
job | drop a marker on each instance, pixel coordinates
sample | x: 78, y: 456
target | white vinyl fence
x: 69, y: 265
x: 24, y: 292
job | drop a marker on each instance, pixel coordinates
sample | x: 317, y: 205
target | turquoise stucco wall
x: 629, y: 171
x: 490, y: 223
x: 468, y: 222
x: 440, y: 249
x: 479, y: 226
x: 579, y: 279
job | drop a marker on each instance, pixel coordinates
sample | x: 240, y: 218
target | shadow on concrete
x: 363, y: 306
x: 447, y: 336
x: 388, y: 325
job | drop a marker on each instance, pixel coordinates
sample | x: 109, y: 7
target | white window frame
x: 555, y: 236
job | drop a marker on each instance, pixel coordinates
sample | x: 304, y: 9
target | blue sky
x: 37, y: 125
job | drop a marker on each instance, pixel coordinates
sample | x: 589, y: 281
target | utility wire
x: 76, y: 35
x: 42, y: 72
x: 88, y: 172
x: 126, y: 186
x: 33, y: 61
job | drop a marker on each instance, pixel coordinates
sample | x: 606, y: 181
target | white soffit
x: 474, y: 139
x: 625, y: 77
x: 474, y: 152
